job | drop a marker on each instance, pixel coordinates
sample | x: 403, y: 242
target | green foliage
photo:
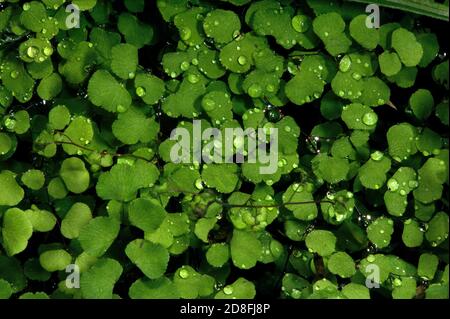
x: 86, y: 175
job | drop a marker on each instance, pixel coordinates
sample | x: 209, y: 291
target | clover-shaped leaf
x: 322, y: 242
x: 151, y: 258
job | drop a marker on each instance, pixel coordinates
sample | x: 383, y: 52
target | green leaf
x: 124, y: 61
x: 16, y: 231
x: 98, y: 235
x: 380, y: 231
x: 146, y: 215
x: 50, y: 87
x: 422, y: 104
x: 367, y: 37
x: 98, y: 282
x: 390, y: 63
x: 412, y: 234
x: 221, y: 25
x: 322, y: 242
x: 5, y: 289
x: 223, y: 177
x: 12, y: 194
x: 33, y: 179
x: 135, y: 31
x: 123, y: 181
x: 240, y: 289
x: 437, y: 231
x: 149, y: 88
x: 104, y: 91
x: 245, y: 249
x: 356, y: 291
x: 218, y: 254
x: 342, y: 264
x: 76, y: 218
x: 59, y: 117
x: 41, y: 220
x: 407, y: 47
x: 75, y: 175
x: 135, y: 126
x: 151, y: 259
x: 161, y: 288
x: 298, y: 193
x: 191, y: 284
x: 428, y: 264
x: 55, y: 260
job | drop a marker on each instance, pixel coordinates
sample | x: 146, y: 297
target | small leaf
x: 151, y: 259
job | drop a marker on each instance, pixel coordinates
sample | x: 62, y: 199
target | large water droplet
x: 255, y: 90
x: 193, y: 78
x: 184, y: 273
x: 32, y: 52
x: 370, y: 118
x: 377, y: 156
x: 140, y: 91
x: 14, y: 74
x: 184, y: 65
x: 208, y: 104
x: 393, y: 185
x: 121, y: 108
x: 345, y: 64
x: 185, y: 34
x: 242, y: 60
x: 300, y: 23
x: 48, y: 51
x: 228, y: 290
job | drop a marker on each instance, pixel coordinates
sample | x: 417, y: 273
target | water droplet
x: 228, y: 290
x: 48, y: 51
x: 371, y: 258
x: 370, y: 118
x: 140, y: 91
x: 403, y: 192
x: 199, y: 184
x: 184, y: 273
x: 345, y: 64
x: 32, y: 52
x: 26, y: 6
x: 184, y: 65
x: 377, y: 156
x: 356, y: 76
x: 254, y: 90
x: 287, y: 129
x: 193, y: 78
x: 300, y: 23
x: 393, y: 185
x: 397, y: 282
x: 185, y: 34
x: 413, y: 184
x: 121, y: 108
x: 14, y: 74
x: 208, y: 105
x: 242, y: 60
x: 270, y: 88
